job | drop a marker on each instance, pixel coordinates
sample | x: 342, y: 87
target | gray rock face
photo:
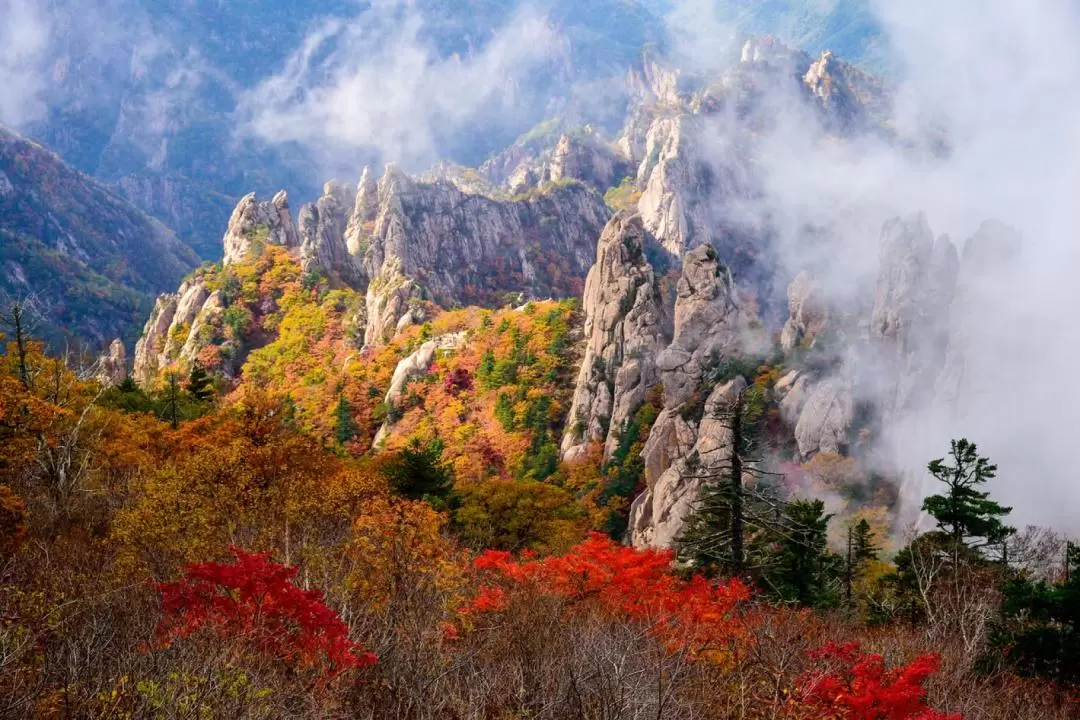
x: 323, y: 242
x: 624, y: 330
x: 172, y: 331
x: 253, y: 221
x: 984, y: 270
x: 151, y: 346
x: 112, y: 365
x: 431, y: 241
x: 825, y: 416
x: 910, y: 320
x: 658, y: 515
x: 669, y: 178
x: 587, y: 160
x: 710, y: 327
x: 583, y: 155
x: 808, y: 313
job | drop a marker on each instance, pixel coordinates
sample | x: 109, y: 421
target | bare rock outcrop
x: 167, y: 330
x: 710, y: 329
x: 624, y: 330
x: 112, y: 365
x: 254, y: 222
x: 585, y: 158
x: 658, y: 515
x: 415, y: 365
x: 808, y: 313
x: 910, y: 319
x: 322, y: 227
x: 431, y: 241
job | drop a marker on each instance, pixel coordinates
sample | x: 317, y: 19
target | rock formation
x: 658, y: 515
x: 624, y: 330
x: 910, y: 319
x: 112, y: 365
x: 808, y: 313
x: 710, y: 328
x: 433, y: 242
x: 255, y: 222
x: 415, y: 365
x: 322, y: 228
x: 174, y: 329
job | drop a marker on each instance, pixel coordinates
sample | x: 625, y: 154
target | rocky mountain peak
x: 254, y: 222
x: 808, y: 312
x: 624, y: 329
x: 366, y: 205
x: 322, y: 227
x: 112, y: 365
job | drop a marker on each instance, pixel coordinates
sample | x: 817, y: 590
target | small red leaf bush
x: 857, y: 686
x: 254, y: 600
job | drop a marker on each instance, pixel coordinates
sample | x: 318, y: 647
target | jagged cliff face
x: 431, y: 241
x: 532, y: 223
x: 710, y: 328
x: 253, y: 223
x: 407, y: 244
x: 625, y: 328
x: 910, y: 320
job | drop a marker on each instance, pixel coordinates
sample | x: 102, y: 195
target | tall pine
x: 966, y: 515
x: 803, y: 569
x: 345, y: 428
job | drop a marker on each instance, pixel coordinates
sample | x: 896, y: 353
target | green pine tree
x: 804, y: 570
x: 345, y: 428
x: 172, y: 398
x: 727, y: 522
x: 966, y: 515
x: 200, y: 385
x: 1039, y: 633
x: 417, y: 472
x: 864, y: 549
x: 861, y: 550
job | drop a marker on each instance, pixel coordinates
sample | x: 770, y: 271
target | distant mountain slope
x: 93, y: 261
x: 847, y: 27
x: 152, y: 111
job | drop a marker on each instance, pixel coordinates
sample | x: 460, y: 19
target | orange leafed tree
x: 697, y: 616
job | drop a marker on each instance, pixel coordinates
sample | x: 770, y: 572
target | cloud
x: 376, y: 83
x: 1003, y: 81
x: 24, y: 39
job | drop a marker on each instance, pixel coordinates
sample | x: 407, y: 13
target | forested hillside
x: 683, y: 398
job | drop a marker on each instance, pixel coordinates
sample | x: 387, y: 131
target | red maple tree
x: 255, y: 601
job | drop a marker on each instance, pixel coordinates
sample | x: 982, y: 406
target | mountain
x: 154, y: 112
x: 93, y: 262
x: 847, y: 27
x: 679, y: 300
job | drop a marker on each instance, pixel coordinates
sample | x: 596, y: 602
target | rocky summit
x: 551, y: 359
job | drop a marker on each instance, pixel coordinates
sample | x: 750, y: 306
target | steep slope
x: 93, y: 261
x: 625, y: 328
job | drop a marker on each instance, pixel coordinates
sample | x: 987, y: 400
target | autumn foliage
x: 696, y: 615
x: 255, y: 601
x: 858, y: 686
